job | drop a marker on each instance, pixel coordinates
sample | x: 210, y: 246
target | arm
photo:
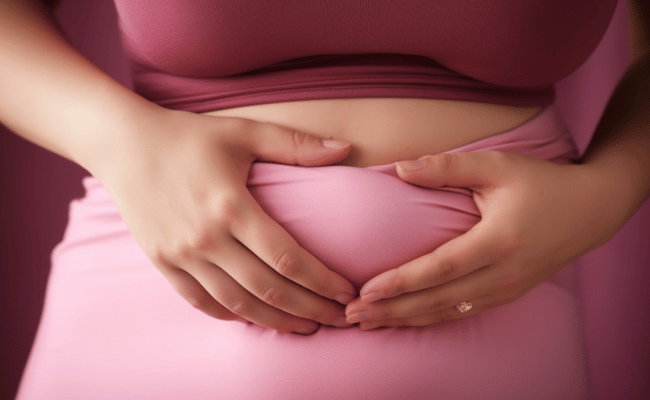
x: 43, y: 99
x: 54, y: 97
x: 529, y: 228
x: 621, y: 143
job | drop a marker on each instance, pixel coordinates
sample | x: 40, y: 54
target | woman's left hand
x: 536, y: 217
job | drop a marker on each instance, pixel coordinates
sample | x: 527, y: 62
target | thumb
x: 470, y: 170
x: 276, y: 143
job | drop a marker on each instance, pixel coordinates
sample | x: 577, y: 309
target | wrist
x: 614, y: 191
x: 111, y: 131
x: 623, y: 167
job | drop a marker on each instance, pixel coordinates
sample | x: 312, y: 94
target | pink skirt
x: 113, y: 328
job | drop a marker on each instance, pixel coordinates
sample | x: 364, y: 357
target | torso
x: 249, y: 50
x: 391, y: 129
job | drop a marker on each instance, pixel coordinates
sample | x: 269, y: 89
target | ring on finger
x: 463, y: 307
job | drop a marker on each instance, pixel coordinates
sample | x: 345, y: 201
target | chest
x: 510, y: 42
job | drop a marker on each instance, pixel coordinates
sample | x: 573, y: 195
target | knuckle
x: 434, y: 304
x: 445, y: 271
x: 323, y: 287
x: 398, y: 283
x: 443, y: 162
x: 287, y: 263
x: 240, y: 307
x: 275, y: 297
x: 182, y: 251
x: 202, y: 240
x: 299, y: 138
x: 227, y: 210
x: 158, y: 257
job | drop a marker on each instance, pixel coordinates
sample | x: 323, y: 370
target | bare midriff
x: 386, y: 130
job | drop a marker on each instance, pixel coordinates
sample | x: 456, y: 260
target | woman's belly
x: 377, y: 206
x: 386, y: 130
x: 114, y: 328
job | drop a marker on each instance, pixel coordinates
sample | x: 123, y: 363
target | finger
x: 425, y: 302
x: 196, y: 295
x: 478, y: 305
x: 270, y: 142
x: 471, y: 170
x: 277, y: 291
x: 239, y: 301
x: 460, y: 256
x: 274, y: 246
x: 448, y: 314
x: 503, y: 293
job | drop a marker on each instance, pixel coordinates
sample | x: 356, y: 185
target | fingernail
x: 341, y: 322
x: 370, y: 325
x: 372, y: 296
x: 355, y: 308
x: 410, y: 165
x: 334, y: 144
x: 344, y: 298
x: 306, y: 330
x: 358, y: 317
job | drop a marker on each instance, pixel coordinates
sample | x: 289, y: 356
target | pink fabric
x: 113, y: 328
x: 613, y: 279
x: 358, y: 76
x: 203, y: 55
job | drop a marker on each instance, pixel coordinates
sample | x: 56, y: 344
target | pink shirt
x: 202, y: 55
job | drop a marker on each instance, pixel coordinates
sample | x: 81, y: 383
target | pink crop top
x: 203, y: 55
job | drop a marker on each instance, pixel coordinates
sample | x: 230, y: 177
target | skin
x: 198, y: 164
x: 384, y: 130
x: 224, y: 255
x: 529, y: 227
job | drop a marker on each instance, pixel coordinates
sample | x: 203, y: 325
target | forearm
x: 52, y: 95
x: 620, y: 150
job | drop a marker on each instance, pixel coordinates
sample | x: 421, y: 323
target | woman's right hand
x: 177, y: 178
x: 179, y: 182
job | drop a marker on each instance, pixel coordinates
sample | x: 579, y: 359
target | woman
x: 220, y: 224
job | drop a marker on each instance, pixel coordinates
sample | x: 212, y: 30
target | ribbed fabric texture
x: 202, y: 55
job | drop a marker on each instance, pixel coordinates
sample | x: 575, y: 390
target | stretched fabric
x: 203, y: 55
x: 114, y: 328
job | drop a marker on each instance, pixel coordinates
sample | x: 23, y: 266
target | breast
x: 509, y: 42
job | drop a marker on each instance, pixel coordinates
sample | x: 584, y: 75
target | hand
x: 179, y: 182
x: 536, y: 216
